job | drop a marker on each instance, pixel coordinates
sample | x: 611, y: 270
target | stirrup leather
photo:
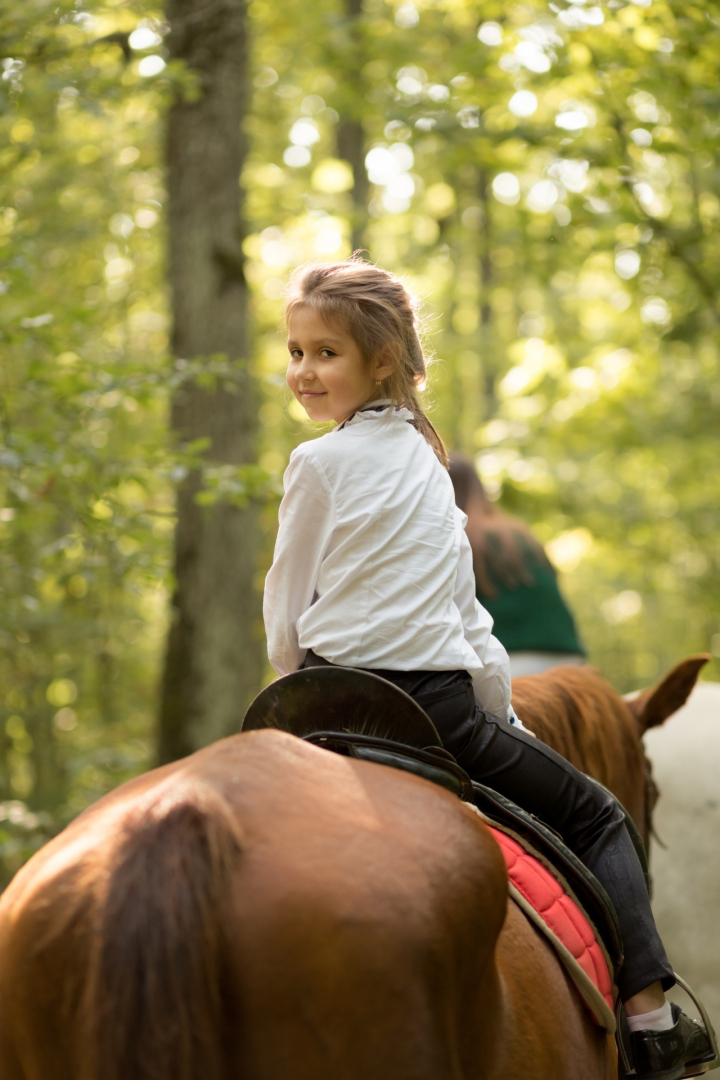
x: 625, y: 1055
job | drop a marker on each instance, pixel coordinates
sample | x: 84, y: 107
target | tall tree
x: 351, y: 133
x: 214, y: 655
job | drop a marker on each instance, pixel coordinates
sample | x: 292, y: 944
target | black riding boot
x: 688, y: 1048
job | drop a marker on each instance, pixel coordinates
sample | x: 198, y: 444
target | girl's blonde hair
x: 381, y: 316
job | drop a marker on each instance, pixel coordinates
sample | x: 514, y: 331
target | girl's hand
x: 516, y: 722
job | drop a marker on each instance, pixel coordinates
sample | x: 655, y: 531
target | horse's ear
x: 652, y: 707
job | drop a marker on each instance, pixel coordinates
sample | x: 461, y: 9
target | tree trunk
x: 351, y: 134
x: 487, y: 342
x: 351, y: 147
x: 214, y: 651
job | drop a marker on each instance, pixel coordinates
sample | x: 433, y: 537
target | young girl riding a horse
x: 373, y: 570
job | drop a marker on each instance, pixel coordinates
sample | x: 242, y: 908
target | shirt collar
x: 374, y: 410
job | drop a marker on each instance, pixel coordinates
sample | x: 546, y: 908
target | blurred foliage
x: 87, y: 507
x: 544, y: 175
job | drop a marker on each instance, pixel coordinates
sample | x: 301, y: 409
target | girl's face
x: 327, y: 372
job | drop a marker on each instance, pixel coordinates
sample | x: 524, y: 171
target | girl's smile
x: 327, y: 372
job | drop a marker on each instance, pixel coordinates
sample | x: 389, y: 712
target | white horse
x: 685, y: 754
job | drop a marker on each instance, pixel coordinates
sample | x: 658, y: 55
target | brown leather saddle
x: 363, y: 716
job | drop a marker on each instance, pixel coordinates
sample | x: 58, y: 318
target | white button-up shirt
x: 372, y: 566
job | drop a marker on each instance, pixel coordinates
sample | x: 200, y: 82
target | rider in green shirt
x: 515, y: 581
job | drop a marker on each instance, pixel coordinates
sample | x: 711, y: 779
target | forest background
x: 545, y: 177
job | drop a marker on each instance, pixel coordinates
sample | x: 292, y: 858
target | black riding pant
x: 524, y: 769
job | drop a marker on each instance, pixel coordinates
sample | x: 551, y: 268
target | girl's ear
x: 386, y: 360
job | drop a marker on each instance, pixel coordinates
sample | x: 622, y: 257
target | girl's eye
x: 295, y: 354
x: 327, y: 353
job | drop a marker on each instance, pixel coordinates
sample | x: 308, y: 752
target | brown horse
x: 570, y: 709
x: 266, y: 910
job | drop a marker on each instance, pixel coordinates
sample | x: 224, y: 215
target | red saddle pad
x: 566, y: 922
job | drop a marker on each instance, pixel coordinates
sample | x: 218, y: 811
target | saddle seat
x: 364, y: 716
x: 360, y: 715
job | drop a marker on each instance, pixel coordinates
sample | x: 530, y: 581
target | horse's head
x: 576, y: 712
x: 652, y: 708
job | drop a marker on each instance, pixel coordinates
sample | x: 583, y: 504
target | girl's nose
x: 304, y: 372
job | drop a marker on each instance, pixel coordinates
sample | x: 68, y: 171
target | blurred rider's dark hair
x: 505, y: 552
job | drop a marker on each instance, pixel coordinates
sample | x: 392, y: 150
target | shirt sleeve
x: 492, y: 683
x: 306, y: 523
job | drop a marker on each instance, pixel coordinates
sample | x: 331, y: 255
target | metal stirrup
x: 709, y: 1030
x: 619, y: 1009
x: 707, y: 1026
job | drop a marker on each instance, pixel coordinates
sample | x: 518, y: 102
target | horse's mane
x: 576, y: 712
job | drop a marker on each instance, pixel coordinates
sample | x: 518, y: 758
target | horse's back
x: 357, y: 942
x: 345, y: 914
